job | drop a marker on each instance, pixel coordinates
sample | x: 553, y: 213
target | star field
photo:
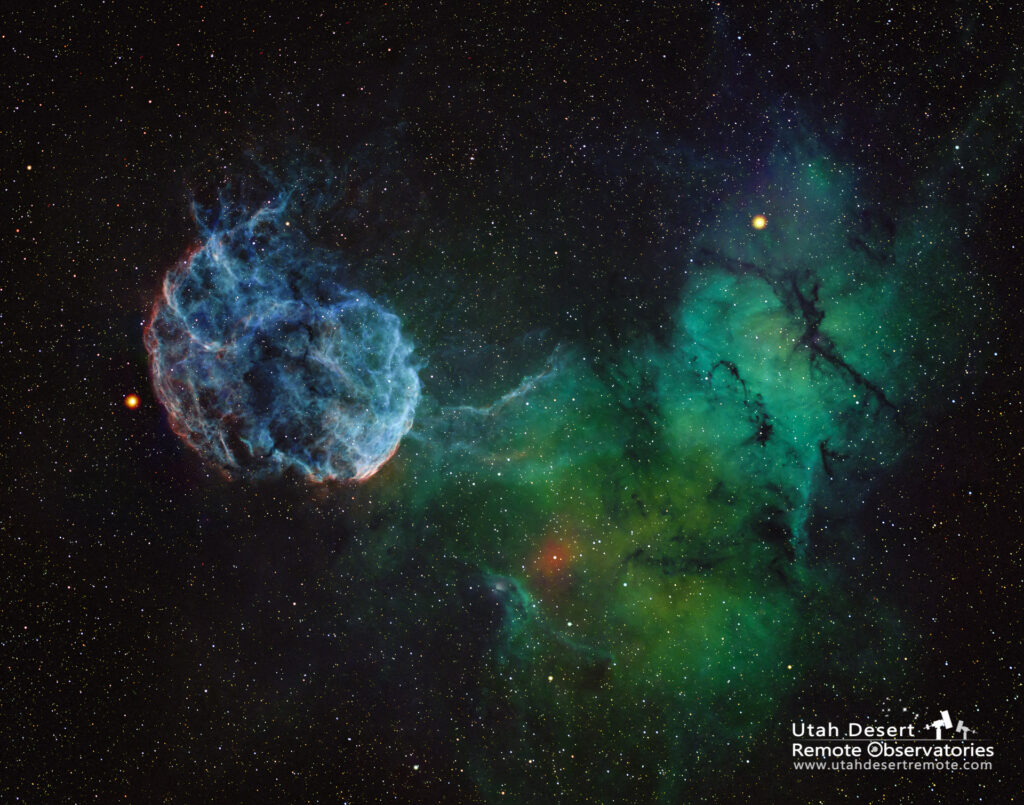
x: 681, y: 376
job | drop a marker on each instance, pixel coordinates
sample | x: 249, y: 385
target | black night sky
x: 529, y: 403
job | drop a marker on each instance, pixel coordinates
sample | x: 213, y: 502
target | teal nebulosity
x: 805, y: 353
x: 662, y: 534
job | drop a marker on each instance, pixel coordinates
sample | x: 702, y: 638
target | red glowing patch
x: 553, y: 561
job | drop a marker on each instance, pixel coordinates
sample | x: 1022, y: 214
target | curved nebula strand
x: 266, y: 363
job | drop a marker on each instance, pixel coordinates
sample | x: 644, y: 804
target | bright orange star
x: 132, y: 401
x: 759, y: 222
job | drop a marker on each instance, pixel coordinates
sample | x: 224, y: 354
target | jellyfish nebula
x: 267, y: 364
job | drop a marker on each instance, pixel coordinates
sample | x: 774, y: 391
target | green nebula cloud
x: 658, y: 541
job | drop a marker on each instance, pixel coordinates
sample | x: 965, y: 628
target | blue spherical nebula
x: 266, y: 363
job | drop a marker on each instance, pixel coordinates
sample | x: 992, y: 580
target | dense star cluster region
x: 266, y: 363
x: 510, y: 404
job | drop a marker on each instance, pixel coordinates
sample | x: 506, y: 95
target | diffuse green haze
x: 651, y: 531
